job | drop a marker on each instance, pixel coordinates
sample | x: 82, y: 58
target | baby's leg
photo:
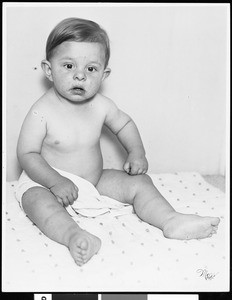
x: 151, y: 206
x: 54, y: 221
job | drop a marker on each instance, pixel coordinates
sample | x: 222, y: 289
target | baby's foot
x: 82, y: 246
x: 182, y: 227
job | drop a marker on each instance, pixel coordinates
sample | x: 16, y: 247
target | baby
x: 61, y: 136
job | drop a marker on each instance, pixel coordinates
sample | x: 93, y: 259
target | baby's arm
x: 30, y: 141
x: 127, y: 132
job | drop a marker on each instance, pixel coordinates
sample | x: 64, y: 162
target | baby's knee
x: 141, y: 182
x: 31, y: 196
x: 143, y: 179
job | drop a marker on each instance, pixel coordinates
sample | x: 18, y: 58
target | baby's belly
x: 87, y: 164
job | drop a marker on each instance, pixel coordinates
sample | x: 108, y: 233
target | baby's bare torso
x: 72, y: 141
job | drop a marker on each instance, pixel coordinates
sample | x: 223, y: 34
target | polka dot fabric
x: 134, y: 255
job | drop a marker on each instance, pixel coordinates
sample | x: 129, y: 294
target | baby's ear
x: 46, y: 66
x: 106, y: 73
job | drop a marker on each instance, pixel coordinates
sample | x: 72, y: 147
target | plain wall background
x: 169, y: 72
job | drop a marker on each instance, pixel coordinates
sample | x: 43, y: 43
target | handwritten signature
x: 205, y: 274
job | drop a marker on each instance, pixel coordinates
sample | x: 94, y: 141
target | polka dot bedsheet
x: 134, y: 257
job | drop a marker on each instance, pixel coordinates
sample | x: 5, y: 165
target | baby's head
x: 78, y: 30
x: 77, y: 55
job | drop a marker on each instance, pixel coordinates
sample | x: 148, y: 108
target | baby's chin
x: 79, y: 99
x: 75, y: 96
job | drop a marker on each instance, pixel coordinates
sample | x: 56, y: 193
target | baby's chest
x: 74, y: 133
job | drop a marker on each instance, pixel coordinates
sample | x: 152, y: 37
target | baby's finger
x: 127, y: 167
x: 144, y: 171
x: 66, y: 201
x: 72, y: 197
x: 134, y: 170
x: 59, y: 200
x: 140, y: 171
x: 71, y: 200
x: 75, y: 194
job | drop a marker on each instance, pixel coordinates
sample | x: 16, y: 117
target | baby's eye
x: 91, y: 69
x: 68, y: 66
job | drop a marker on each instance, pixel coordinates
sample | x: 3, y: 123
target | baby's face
x: 78, y: 69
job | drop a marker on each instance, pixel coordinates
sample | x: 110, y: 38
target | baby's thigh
x: 117, y: 185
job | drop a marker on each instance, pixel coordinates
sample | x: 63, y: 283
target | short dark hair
x: 79, y: 30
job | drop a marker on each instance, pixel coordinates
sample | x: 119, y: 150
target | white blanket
x: 134, y: 257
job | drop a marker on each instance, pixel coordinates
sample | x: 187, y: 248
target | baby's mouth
x: 77, y: 90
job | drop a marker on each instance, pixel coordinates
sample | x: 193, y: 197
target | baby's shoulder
x: 105, y: 102
x: 38, y: 111
x: 41, y: 106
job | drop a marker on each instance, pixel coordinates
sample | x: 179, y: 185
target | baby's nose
x: 80, y: 75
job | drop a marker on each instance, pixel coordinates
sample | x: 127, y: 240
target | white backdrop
x: 169, y: 72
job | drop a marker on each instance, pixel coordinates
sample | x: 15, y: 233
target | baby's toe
x: 215, y: 221
x: 215, y: 229
x: 79, y: 263
x: 78, y: 259
x: 208, y: 232
x: 84, y: 246
x: 78, y: 249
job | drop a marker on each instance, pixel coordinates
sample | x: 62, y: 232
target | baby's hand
x: 136, y: 165
x: 65, y: 191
